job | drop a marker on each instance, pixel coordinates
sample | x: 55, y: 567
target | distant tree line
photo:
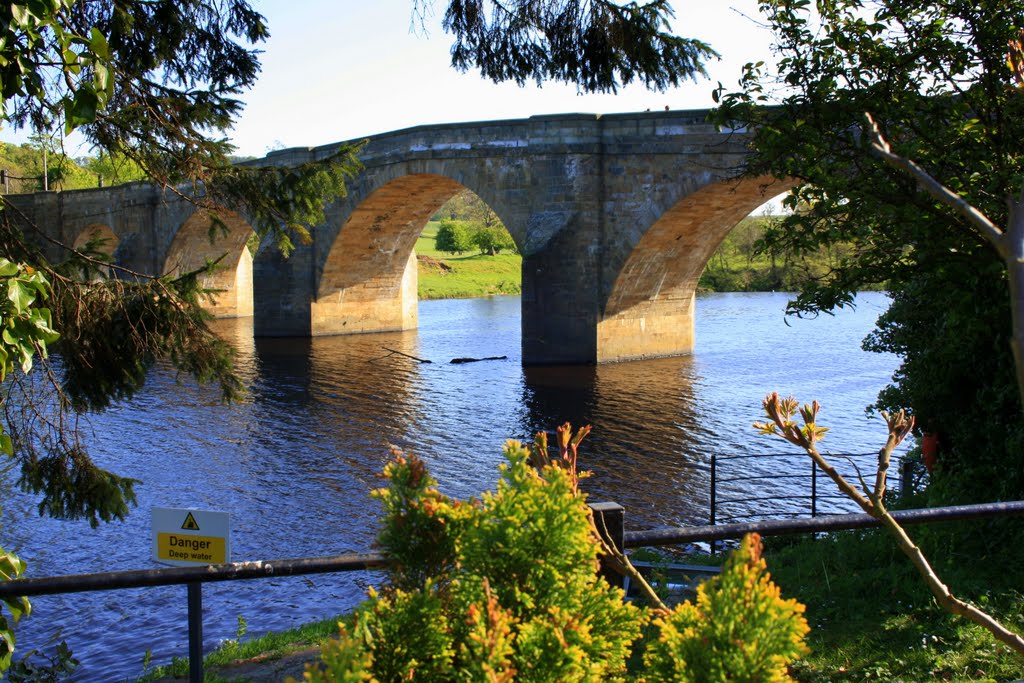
x: 27, y: 165
x: 743, y: 261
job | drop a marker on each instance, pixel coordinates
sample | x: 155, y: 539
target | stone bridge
x: 615, y: 216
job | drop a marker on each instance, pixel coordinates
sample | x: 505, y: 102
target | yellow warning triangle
x: 190, y: 523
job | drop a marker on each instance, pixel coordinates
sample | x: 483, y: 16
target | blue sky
x: 343, y: 69
x: 340, y: 70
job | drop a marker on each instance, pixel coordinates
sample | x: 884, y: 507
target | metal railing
x: 612, y: 524
x: 803, y: 503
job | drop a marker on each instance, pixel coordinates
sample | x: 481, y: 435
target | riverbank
x: 464, y: 276
x: 271, y: 657
x: 734, y: 267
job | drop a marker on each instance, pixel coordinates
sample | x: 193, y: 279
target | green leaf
x: 7, y: 269
x: 18, y: 607
x: 98, y: 45
x: 21, y: 15
x: 103, y: 81
x: 20, y: 295
x: 83, y: 108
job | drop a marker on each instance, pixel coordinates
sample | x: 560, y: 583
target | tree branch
x: 899, y: 425
x: 989, y: 230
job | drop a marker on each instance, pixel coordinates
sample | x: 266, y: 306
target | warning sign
x: 190, y: 523
x: 189, y: 537
x: 182, y: 548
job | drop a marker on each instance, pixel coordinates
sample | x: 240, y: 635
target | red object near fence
x: 929, y: 450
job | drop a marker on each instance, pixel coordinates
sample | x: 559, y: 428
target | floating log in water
x: 476, y: 360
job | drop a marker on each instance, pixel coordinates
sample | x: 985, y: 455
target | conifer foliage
x: 598, y: 45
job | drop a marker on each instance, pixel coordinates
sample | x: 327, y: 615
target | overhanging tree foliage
x: 936, y: 78
x: 598, y: 45
x: 155, y: 83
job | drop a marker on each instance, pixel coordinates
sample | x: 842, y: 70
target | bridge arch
x: 368, y: 278
x: 103, y: 242
x: 99, y: 233
x: 649, y: 310
x: 223, y: 238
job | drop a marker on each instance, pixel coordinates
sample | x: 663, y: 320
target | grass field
x: 733, y: 268
x: 444, y: 276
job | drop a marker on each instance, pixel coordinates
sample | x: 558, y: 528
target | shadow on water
x: 646, y: 449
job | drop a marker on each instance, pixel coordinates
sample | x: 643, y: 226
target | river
x: 293, y: 464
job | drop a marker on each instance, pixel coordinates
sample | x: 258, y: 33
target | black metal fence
x: 613, y: 524
x: 788, y: 485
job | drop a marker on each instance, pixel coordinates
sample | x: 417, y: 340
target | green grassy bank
x: 735, y: 267
x: 873, y: 619
x: 464, y: 276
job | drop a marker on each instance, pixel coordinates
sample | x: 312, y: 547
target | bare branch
x: 899, y: 426
x: 989, y: 230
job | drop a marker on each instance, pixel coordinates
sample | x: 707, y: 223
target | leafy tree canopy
x: 935, y: 75
x: 937, y: 79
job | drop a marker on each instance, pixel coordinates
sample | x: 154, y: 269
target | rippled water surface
x: 294, y: 463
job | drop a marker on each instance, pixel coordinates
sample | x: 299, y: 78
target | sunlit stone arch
x: 101, y: 234
x: 103, y: 243
x: 201, y: 240
x: 650, y: 308
x: 368, y: 280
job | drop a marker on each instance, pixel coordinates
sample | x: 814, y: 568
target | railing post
x: 714, y: 494
x: 814, y: 489
x: 610, y: 521
x: 195, y: 632
x: 906, y: 478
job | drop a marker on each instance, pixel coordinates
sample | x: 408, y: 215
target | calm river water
x: 294, y: 463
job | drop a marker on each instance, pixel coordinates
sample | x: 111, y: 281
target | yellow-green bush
x: 739, y: 630
x: 505, y: 588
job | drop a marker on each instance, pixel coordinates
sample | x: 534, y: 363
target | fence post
x: 714, y: 494
x: 610, y: 521
x: 906, y: 478
x: 195, y: 632
x: 6, y: 181
x: 814, y: 489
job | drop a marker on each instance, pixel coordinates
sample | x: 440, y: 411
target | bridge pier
x: 650, y: 330
x: 283, y: 291
x: 375, y: 305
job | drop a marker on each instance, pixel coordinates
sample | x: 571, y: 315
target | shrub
x: 453, y: 237
x: 506, y: 588
x: 491, y: 240
x: 740, y: 628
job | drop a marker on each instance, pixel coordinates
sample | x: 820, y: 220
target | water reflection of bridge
x: 615, y: 217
